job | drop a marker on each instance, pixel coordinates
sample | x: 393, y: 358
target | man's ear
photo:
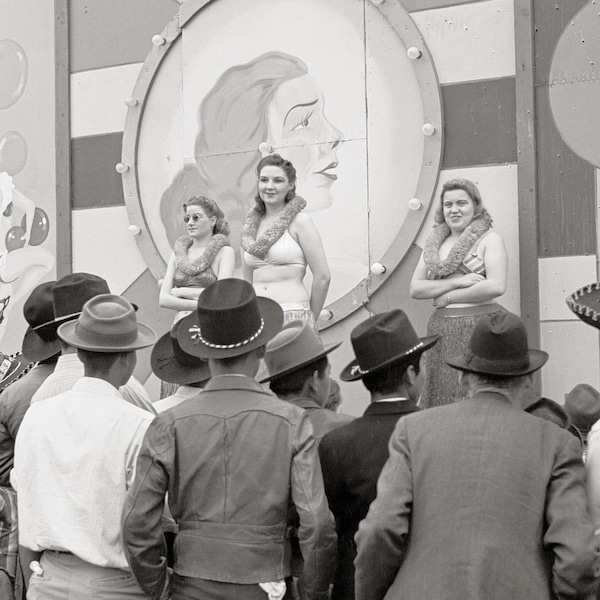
x: 410, y: 376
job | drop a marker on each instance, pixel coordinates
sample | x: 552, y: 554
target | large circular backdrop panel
x: 345, y: 89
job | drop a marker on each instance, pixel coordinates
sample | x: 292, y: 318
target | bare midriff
x: 282, y: 283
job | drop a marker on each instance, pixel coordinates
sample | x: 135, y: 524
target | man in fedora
x: 388, y: 361
x: 40, y: 346
x: 231, y: 459
x: 69, y: 295
x: 75, y: 457
x: 480, y: 499
x: 299, y: 373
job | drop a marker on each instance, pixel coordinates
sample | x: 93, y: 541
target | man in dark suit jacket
x: 388, y: 360
x: 480, y: 500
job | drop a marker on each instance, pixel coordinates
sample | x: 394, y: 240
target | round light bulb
x: 414, y: 53
x: 378, y: 269
x: 134, y: 230
x: 325, y: 315
x: 415, y: 204
x: 158, y: 40
x: 121, y: 168
x: 428, y: 129
x: 377, y: 1
x: 131, y: 102
x: 265, y: 148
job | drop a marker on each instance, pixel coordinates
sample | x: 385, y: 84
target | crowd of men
x: 230, y: 489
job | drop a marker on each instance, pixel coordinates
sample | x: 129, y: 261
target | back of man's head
x: 297, y: 383
x: 391, y: 378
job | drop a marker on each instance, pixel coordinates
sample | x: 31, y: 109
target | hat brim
x: 68, y: 332
x: 351, y: 373
x: 35, y: 349
x: 20, y: 365
x: 166, y: 367
x: 277, y: 375
x: 272, y: 316
x: 537, y: 359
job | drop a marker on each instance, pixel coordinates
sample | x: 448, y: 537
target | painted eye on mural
x: 304, y: 123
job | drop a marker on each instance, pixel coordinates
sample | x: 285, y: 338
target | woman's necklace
x: 199, y: 263
x: 438, y: 269
x: 259, y: 247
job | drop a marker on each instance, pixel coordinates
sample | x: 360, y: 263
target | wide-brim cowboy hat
x: 382, y: 340
x: 12, y: 367
x: 230, y: 320
x: 294, y: 347
x: 585, y: 303
x: 107, y: 324
x: 40, y: 341
x: 172, y: 364
x: 498, y: 347
x: 72, y: 291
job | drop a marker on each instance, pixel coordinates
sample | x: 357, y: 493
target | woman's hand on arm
x: 224, y: 263
x: 303, y: 228
x: 422, y: 288
x: 494, y: 283
x: 168, y: 300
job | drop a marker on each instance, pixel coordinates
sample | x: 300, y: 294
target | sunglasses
x: 194, y: 217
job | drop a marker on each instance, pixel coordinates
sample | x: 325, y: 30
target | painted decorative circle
x: 13, y: 72
x: 13, y: 153
x: 330, y: 87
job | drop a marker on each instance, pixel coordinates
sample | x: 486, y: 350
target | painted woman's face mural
x: 298, y: 126
x: 356, y: 142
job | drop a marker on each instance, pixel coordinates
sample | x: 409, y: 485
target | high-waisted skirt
x: 454, y: 326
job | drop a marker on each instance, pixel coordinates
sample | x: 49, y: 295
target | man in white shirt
x: 69, y: 295
x: 75, y: 458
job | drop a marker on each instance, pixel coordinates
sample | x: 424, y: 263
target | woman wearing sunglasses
x: 200, y: 257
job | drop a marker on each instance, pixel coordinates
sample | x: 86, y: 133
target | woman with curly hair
x: 199, y: 258
x: 463, y: 269
x: 279, y: 242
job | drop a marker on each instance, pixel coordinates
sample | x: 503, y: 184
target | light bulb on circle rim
x: 377, y: 1
x: 131, y: 102
x: 428, y: 129
x: 121, y: 168
x: 134, y: 230
x: 265, y: 148
x: 413, y: 53
x: 325, y: 315
x: 378, y: 269
x: 158, y: 40
x: 415, y: 204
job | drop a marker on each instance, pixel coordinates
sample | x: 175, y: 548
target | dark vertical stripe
x: 94, y: 180
x: 480, y: 126
x: 115, y: 32
x: 566, y: 190
x: 526, y: 171
x: 64, y: 253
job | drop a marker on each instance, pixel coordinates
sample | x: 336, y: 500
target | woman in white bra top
x: 279, y: 241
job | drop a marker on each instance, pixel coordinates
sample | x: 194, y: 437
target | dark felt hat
x: 499, y: 347
x: 381, y: 340
x: 41, y: 340
x: 107, y: 324
x: 72, y: 291
x: 172, y: 364
x: 548, y: 409
x: 230, y: 320
x: 294, y: 347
